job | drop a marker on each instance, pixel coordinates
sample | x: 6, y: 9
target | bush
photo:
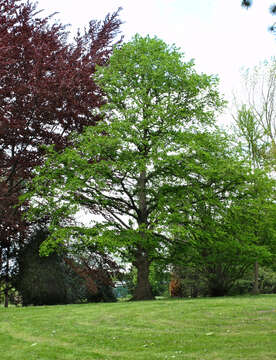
x: 40, y: 280
x: 50, y: 280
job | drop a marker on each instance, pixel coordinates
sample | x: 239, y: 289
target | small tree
x: 155, y: 155
x: 40, y: 281
x: 58, y: 279
x: 228, y: 243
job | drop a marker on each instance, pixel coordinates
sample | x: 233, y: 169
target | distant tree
x: 252, y: 139
x: 260, y: 93
x: 148, y: 165
x: 228, y: 236
x: 230, y: 243
x: 255, y: 120
x: 251, y: 135
x: 46, y: 92
x: 188, y: 281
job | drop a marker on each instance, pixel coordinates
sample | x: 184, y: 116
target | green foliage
x: 251, y: 136
x: 159, y: 278
x: 192, y: 281
x: 198, y: 283
x: 40, y: 281
x: 266, y: 279
x: 49, y: 280
x: 229, y: 242
x: 157, y: 121
x: 254, y: 130
x: 153, y: 168
x: 227, y: 239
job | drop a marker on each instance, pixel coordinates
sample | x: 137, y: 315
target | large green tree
x: 147, y: 165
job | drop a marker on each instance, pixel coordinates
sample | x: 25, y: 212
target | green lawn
x: 203, y: 329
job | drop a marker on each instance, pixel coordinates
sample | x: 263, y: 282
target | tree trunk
x: 255, y: 290
x: 143, y: 289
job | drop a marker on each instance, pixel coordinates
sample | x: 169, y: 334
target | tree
x: 228, y: 233
x: 260, y: 90
x: 46, y: 92
x: 255, y: 121
x: 252, y: 139
x: 228, y: 242
x: 145, y: 167
x: 40, y: 281
x: 58, y: 279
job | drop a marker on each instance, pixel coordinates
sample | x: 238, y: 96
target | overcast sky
x: 221, y: 36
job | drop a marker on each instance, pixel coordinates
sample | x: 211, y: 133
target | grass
x: 202, y: 329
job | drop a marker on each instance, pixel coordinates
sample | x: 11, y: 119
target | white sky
x: 221, y: 36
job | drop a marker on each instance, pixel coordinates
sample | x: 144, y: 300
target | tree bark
x: 143, y: 290
x: 142, y: 263
x: 256, y: 290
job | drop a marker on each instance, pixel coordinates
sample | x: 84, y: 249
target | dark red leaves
x: 46, y: 92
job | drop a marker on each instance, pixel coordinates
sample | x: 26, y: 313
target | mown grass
x: 203, y: 329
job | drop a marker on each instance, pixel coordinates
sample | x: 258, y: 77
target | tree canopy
x: 46, y: 92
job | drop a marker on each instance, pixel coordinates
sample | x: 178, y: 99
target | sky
x: 219, y: 35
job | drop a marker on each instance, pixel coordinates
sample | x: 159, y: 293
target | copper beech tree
x: 46, y: 92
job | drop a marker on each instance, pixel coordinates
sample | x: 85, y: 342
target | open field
x: 203, y: 329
